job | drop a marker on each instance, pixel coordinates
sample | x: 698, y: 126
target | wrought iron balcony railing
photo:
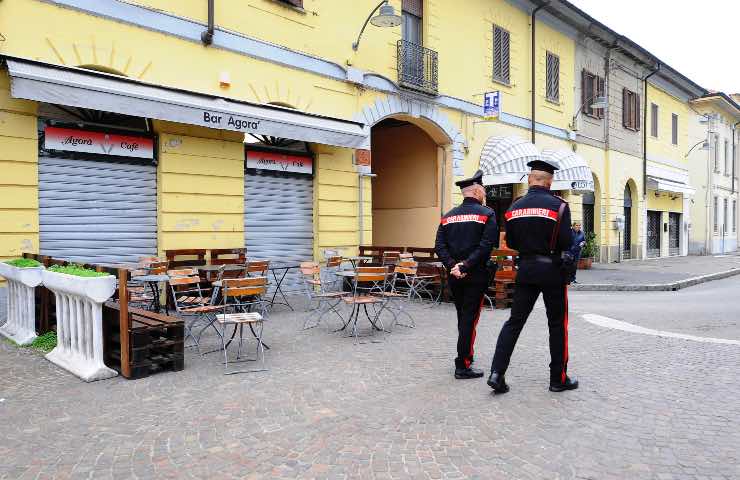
x: 417, y: 67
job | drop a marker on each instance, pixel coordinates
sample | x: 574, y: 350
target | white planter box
x: 20, y: 325
x: 79, y: 307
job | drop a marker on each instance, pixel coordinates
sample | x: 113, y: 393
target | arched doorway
x: 406, y: 192
x: 627, y: 240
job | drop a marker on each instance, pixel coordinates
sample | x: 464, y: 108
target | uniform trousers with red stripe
x: 468, y: 295
x: 556, y: 305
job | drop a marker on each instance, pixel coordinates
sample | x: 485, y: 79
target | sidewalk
x: 664, y: 274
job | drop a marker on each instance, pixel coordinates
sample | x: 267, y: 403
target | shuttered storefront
x: 97, y: 211
x: 278, y: 217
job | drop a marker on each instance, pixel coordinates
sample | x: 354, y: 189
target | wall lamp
x: 386, y: 18
x: 704, y: 146
x: 598, y: 102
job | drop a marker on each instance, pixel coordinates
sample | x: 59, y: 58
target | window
x: 501, y: 41
x: 553, y: 78
x: 726, y: 212
x: 654, y: 120
x: 674, y: 129
x: 727, y: 158
x: 592, y: 86
x: 412, y: 14
x: 715, y: 153
x: 715, y: 215
x: 630, y: 110
x: 734, y: 216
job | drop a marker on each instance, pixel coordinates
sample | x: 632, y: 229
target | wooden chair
x: 228, y: 256
x: 390, y: 258
x: 257, y: 268
x: 321, y: 298
x: 367, y: 284
x: 241, y: 296
x: 191, y: 303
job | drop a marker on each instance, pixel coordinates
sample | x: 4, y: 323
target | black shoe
x: 465, y: 373
x: 568, y: 384
x: 497, y: 383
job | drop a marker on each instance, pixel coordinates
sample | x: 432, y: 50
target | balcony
x: 417, y: 67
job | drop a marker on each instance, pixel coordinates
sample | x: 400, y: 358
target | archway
x: 407, y: 197
x: 591, y: 204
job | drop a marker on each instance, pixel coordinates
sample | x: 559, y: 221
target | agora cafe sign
x: 279, y: 162
x: 101, y: 143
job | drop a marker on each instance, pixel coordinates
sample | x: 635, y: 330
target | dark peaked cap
x: 475, y: 179
x: 544, y: 165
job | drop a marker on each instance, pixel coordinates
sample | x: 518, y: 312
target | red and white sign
x: 465, y: 218
x: 532, y: 212
x: 279, y: 162
x: 98, y: 142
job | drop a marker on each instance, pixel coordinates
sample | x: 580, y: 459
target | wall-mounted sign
x: 491, y: 105
x: 101, y: 143
x: 363, y: 158
x: 587, y: 185
x: 279, y: 162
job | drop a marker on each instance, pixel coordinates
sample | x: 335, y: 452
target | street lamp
x: 704, y: 146
x: 598, y: 102
x: 386, y: 18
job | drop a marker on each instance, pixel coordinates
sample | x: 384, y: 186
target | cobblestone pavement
x: 663, y: 270
x: 648, y: 408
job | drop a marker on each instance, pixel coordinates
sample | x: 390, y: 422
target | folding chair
x: 241, y: 296
x: 190, y: 303
x: 367, y: 284
x: 320, y: 298
x: 331, y: 281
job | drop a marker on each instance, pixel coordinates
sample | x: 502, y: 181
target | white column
x: 21, y: 323
x: 79, y: 328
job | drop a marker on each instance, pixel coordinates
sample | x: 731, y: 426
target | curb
x: 655, y: 287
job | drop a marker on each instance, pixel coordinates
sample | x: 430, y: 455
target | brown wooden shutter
x: 584, y: 86
x: 625, y: 108
x: 637, y: 112
x: 414, y: 7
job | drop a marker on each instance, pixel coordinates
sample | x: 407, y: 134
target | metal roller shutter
x: 278, y: 218
x: 96, y: 211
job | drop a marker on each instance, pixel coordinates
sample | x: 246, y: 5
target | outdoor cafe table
x: 279, y: 271
x: 153, y: 281
x: 349, y: 275
x: 355, y: 260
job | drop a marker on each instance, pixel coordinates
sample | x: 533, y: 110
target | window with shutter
x: 727, y: 157
x: 600, y: 92
x: 414, y: 7
x: 592, y: 87
x: 724, y: 216
x: 715, y: 153
x: 674, y: 129
x: 715, y: 215
x: 501, y: 59
x: 630, y: 110
x: 654, y: 120
x: 553, y: 77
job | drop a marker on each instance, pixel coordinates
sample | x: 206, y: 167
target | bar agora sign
x: 101, y: 143
x: 280, y: 162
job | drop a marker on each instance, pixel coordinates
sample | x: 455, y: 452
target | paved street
x: 649, y: 407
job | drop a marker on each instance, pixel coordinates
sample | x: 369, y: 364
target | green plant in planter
x: 76, y: 270
x: 590, y: 248
x: 23, y: 263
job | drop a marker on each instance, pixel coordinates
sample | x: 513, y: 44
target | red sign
x: 363, y: 158
x: 280, y: 162
x: 98, y: 142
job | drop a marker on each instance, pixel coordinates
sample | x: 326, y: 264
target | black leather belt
x: 538, y: 258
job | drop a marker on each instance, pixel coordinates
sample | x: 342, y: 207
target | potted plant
x: 23, y: 275
x: 588, y: 252
x: 80, y: 293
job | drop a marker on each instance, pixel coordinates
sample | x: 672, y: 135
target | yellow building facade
x: 411, y: 94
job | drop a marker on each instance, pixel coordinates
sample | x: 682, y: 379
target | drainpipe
x: 644, y: 131
x: 734, y: 156
x: 360, y: 176
x: 534, y: 72
x: 207, y: 36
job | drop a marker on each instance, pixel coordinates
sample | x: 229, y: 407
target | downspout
x: 734, y: 155
x: 207, y: 36
x: 534, y: 73
x: 361, y: 202
x: 644, y: 131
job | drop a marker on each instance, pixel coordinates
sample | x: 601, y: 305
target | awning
x: 111, y: 93
x: 671, y: 186
x: 504, y: 160
x: 574, y: 173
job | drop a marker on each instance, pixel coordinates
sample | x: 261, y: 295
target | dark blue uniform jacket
x: 530, y: 222
x: 467, y: 234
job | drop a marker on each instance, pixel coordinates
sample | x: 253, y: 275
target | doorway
x: 500, y: 198
x: 674, y: 234
x: 653, y: 234
x: 627, y: 242
x: 405, y: 191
